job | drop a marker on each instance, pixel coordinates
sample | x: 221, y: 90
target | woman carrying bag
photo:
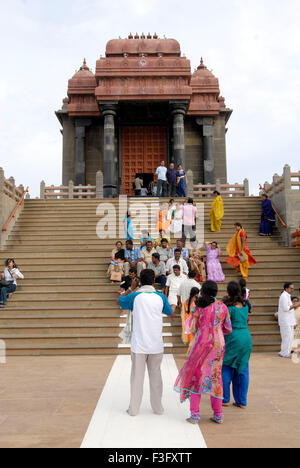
x: 8, y: 283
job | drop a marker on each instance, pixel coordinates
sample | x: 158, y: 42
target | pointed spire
x: 84, y: 66
x: 201, y: 66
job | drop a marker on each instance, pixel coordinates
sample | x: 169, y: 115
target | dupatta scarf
x: 202, y: 372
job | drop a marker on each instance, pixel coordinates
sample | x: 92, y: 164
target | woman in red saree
x: 239, y: 253
x: 202, y: 372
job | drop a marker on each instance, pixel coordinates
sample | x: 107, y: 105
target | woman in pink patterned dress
x: 213, y: 265
x: 202, y: 372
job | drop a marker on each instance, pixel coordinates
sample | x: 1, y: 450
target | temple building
x: 142, y: 105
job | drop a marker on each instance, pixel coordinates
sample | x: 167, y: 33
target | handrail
x: 4, y: 229
x: 283, y: 224
x: 296, y: 236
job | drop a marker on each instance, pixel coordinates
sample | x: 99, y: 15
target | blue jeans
x: 240, y: 384
x: 5, y: 291
x: 161, y: 188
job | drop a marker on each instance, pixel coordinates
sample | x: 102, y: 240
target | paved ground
x: 49, y: 402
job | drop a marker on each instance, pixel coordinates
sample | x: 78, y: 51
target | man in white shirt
x: 287, y: 320
x: 161, y: 173
x: 177, y: 260
x: 186, y: 287
x: 174, y: 282
x: 147, y: 347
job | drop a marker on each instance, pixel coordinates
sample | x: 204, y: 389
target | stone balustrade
x: 284, y: 192
x: 10, y: 196
x: 226, y: 190
x: 72, y: 191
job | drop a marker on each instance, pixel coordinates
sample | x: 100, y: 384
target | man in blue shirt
x: 161, y: 173
x: 133, y: 258
x: 184, y: 252
x: 172, y: 180
x: 147, y: 347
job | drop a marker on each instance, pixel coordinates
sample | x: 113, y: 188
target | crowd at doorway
x: 171, y: 182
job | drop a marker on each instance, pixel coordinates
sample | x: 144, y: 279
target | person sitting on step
x: 8, y: 284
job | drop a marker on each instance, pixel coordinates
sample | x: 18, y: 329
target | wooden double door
x: 143, y: 148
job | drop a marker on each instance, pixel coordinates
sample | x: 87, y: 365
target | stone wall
x: 286, y: 200
x: 94, y: 146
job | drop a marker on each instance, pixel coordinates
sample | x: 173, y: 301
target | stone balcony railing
x: 70, y: 191
x: 226, y: 190
x: 10, y: 196
x: 284, y: 192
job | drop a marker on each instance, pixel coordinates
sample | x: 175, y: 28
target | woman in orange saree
x: 239, y: 253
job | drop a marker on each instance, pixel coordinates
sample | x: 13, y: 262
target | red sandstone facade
x: 144, y: 95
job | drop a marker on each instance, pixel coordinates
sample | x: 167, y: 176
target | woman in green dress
x: 238, y: 348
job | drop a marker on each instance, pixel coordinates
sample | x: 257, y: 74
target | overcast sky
x: 253, y: 47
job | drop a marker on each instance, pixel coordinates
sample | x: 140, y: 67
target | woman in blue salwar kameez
x: 181, y: 182
x: 268, y: 217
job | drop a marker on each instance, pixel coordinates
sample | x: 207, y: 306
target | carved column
x: 208, y: 154
x: 109, y: 112
x: 80, y: 126
x: 178, y: 110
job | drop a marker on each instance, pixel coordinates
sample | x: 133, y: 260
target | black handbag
x: 6, y: 284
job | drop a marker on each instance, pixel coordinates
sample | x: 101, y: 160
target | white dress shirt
x: 182, y: 263
x: 286, y: 317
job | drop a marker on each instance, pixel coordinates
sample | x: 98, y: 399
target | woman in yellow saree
x: 239, y: 253
x: 217, y: 212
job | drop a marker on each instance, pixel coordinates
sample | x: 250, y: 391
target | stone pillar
x: 287, y: 181
x: 246, y: 187
x: 190, y: 184
x: 207, y: 124
x: 218, y: 185
x: 42, y: 190
x: 80, y: 126
x: 209, y: 162
x: 109, y: 112
x: 99, y: 184
x: 71, y: 189
x: 178, y: 110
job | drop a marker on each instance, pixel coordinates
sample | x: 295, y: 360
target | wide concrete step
x: 58, y: 310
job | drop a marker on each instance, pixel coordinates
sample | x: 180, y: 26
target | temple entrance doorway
x: 143, y: 148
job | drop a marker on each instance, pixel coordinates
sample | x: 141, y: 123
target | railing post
x: 13, y: 188
x: 287, y: 181
x: 190, y: 183
x: 218, y: 185
x: 246, y: 188
x: 71, y: 189
x: 42, y: 190
x: 99, y: 185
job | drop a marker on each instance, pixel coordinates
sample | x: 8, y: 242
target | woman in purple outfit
x: 213, y: 265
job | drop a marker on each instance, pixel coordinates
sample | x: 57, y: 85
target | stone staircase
x: 66, y: 305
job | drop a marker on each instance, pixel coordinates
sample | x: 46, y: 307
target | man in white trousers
x: 287, y: 320
x: 147, y: 347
